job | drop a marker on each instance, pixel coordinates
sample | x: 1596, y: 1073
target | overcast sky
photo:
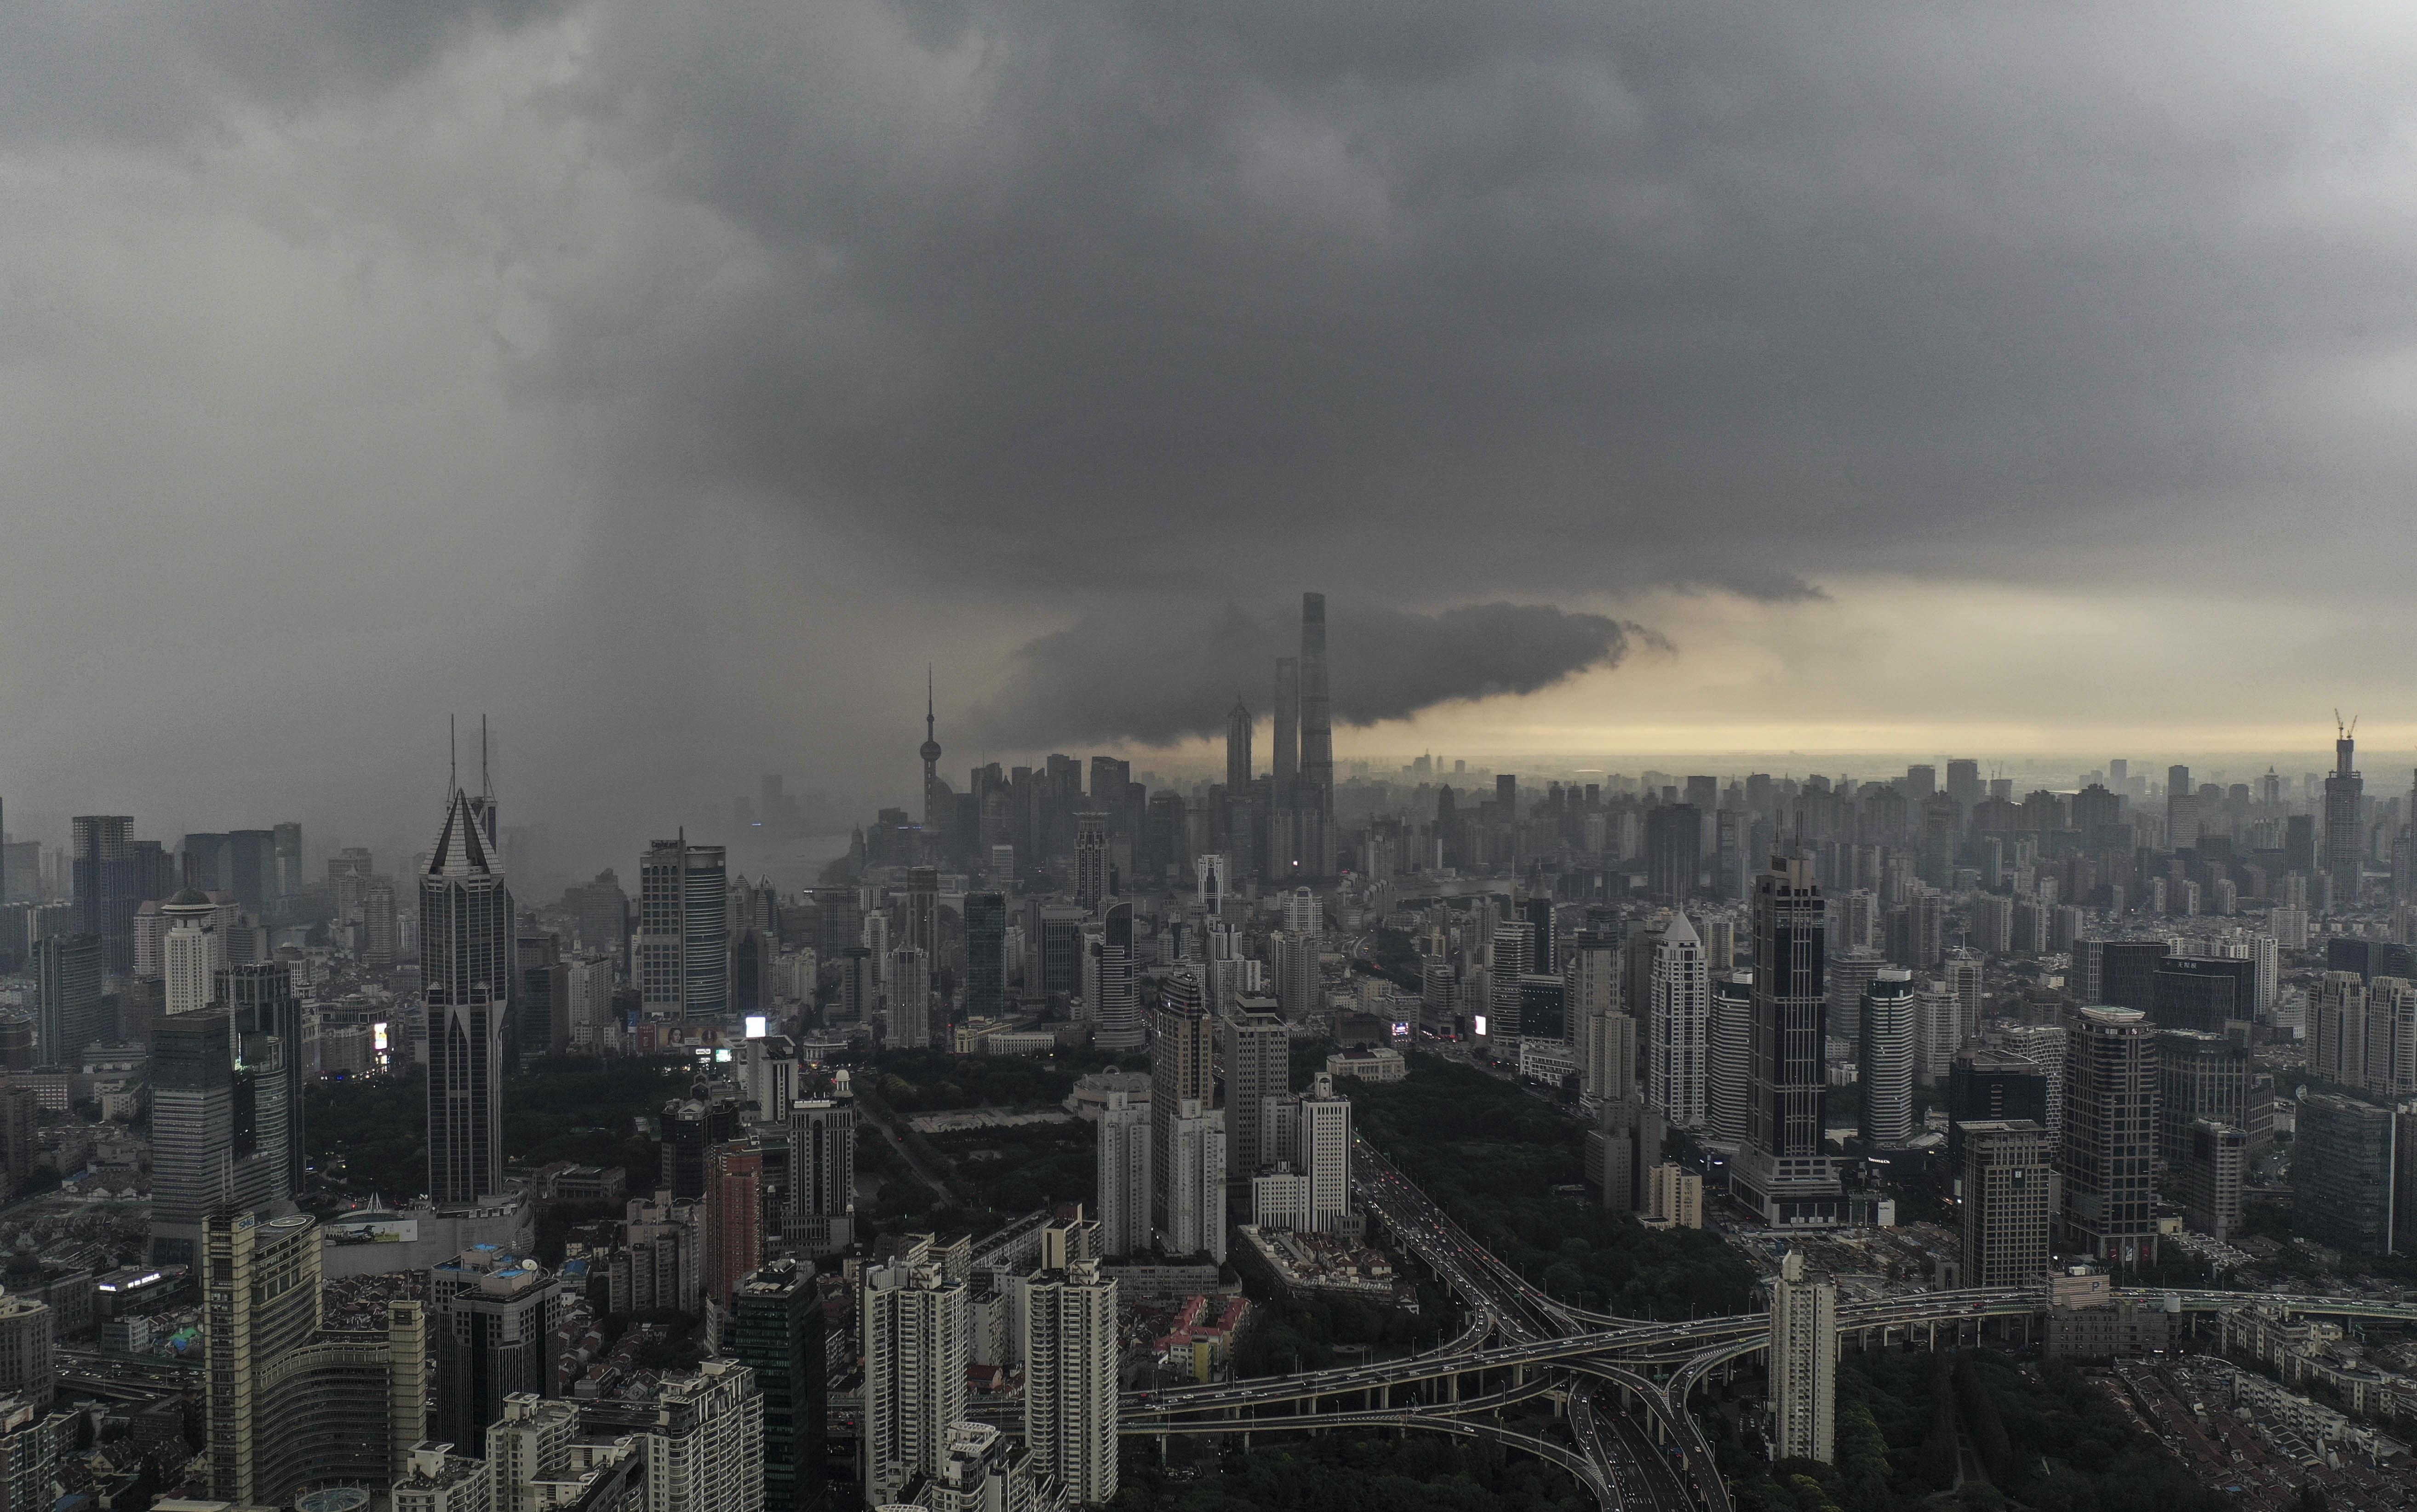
x: 674, y: 381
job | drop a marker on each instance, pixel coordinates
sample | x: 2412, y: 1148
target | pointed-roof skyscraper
x: 465, y: 969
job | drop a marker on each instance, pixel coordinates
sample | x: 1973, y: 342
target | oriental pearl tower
x: 930, y: 754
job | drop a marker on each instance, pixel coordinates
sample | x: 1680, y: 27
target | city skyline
x: 581, y: 415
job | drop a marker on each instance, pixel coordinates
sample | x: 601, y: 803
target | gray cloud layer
x: 1157, y: 675
x: 676, y: 378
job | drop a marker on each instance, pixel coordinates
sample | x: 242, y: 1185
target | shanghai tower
x: 465, y: 966
x: 1316, y: 799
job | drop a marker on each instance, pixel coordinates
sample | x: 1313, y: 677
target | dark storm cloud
x: 680, y: 376
x: 1157, y: 675
x: 1547, y: 294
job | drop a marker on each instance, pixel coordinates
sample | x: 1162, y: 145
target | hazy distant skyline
x: 674, y: 381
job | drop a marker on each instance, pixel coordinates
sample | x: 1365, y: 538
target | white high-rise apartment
x: 1297, y: 973
x: 1938, y: 1028
x: 192, y: 952
x: 1961, y: 972
x: 1303, y: 915
x: 1196, y: 1177
x: 1124, y: 1178
x: 1803, y: 1364
x: 1325, y: 1154
x: 917, y: 1340
x: 1681, y: 1021
x: 1068, y: 1348
x: 705, y: 1449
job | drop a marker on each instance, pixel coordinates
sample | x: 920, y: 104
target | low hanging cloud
x: 1154, y: 678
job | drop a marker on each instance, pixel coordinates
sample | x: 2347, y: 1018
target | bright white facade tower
x: 1124, y: 1178
x: 1325, y: 1154
x: 1681, y: 1021
x: 1069, y: 1348
x: 916, y: 1350
x: 1803, y: 1364
x: 192, y: 953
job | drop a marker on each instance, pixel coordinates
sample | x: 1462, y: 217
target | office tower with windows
x: 220, y: 1128
x: 735, y: 1201
x: 985, y: 955
x: 1126, y: 1171
x: 113, y: 875
x: 2344, y: 832
x: 910, y: 999
x: 1729, y: 1056
x: 1259, y: 1066
x: 821, y: 1209
x: 1316, y: 788
x: 2210, y: 1176
x: 2108, y: 1153
x: 2199, y: 1076
x: 1238, y: 771
x: 466, y: 965
x: 1182, y: 1058
x: 1803, y: 1364
x: 1937, y: 1030
x: 682, y: 952
x: 776, y: 1330
x: 1325, y: 1154
x: 1514, y: 945
x: 289, y: 1405
x: 2391, y: 1056
x: 1285, y: 784
x: 492, y: 1317
x: 381, y: 937
x: 1784, y: 1171
x: 2201, y: 993
x: 1988, y: 1084
x: 1070, y: 1353
x: 1674, y: 851
x: 1090, y: 861
x: 2344, y: 1161
x: 1194, y: 1194
x: 1118, y: 1023
x: 1886, y: 1057
x: 916, y: 1341
x: 2007, y: 1171
x: 69, y: 1011
x: 2181, y: 810
x: 2338, y: 1029
x: 261, y: 997
x: 1680, y: 1020
x: 1850, y: 972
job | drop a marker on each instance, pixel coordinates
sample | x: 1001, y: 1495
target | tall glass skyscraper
x: 1783, y: 1171
x: 465, y: 971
